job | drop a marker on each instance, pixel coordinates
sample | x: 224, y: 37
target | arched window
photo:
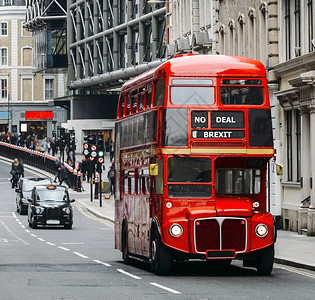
x: 3, y: 56
x: 263, y: 33
x: 3, y: 28
x: 240, y: 36
x: 251, y: 33
x: 231, y: 37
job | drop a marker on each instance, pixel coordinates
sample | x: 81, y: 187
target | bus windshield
x: 182, y: 171
x: 237, y: 181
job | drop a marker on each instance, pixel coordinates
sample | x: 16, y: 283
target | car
x: 24, y: 191
x: 50, y: 205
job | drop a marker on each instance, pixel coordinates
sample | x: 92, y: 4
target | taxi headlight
x: 176, y: 230
x: 39, y: 210
x: 261, y: 230
x: 67, y: 210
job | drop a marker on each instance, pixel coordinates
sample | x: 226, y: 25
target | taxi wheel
x: 34, y: 224
x: 68, y: 226
x: 21, y: 209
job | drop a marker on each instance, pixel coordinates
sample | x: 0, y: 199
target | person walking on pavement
x: 64, y: 175
x: 58, y: 169
x: 21, y: 167
x: 15, y: 172
x: 110, y: 176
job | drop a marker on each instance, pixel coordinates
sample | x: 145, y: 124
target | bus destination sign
x: 218, y: 134
x: 227, y: 119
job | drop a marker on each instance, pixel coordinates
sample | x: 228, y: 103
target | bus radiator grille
x: 220, y: 234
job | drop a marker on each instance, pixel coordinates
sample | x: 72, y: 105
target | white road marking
x: 63, y: 248
x: 34, y: 235
x: 165, y: 288
x: 40, y: 239
x: 102, y: 263
x: 128, y: 274
x: 23, y: 226
x: 81, y: 255
x: 27, y: 231
x: 14, y: 235
x: 297, y: 271
x: 51, y: 244
x: 72, y: 243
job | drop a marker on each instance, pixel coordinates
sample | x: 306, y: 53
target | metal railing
x: 41, y: 161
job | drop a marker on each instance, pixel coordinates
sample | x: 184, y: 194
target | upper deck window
x: 159, y: 92
x: 192, y: 92
x: 241, y: 92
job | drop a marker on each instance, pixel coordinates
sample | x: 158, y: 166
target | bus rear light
x: 261, y: 230
x: 176, y: 230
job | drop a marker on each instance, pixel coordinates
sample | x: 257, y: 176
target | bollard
x: 79, y: 183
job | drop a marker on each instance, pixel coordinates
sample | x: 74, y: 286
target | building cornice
x: 303, y: 63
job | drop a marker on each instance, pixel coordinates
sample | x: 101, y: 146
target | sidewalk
x: 291, y: 249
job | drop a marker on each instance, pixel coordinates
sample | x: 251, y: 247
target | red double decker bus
x: 193, y: 139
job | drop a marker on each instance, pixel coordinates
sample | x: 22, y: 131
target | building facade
x: 25, y: 96
x: 296, y: 95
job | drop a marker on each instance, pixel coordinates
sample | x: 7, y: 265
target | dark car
x: 24, y: 191
x: 50, y: 206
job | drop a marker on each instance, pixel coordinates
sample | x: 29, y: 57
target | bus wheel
x: 265, y: 261
x: 161, y: 257
x: 124, y: 246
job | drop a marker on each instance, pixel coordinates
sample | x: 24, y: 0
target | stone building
x: 25, y: 96
x: 296, y: 75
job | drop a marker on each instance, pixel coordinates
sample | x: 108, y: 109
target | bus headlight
x: 176, y: 230
x: 67, y: 210
x: 261, y: 230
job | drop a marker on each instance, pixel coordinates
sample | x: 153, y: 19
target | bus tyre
x: 265, y: 261
x: 124, y: 246
x: 161, y: 257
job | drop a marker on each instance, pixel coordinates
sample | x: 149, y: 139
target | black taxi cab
x: 50, y: 205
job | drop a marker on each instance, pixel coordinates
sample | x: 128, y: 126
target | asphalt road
x: 55, y: 263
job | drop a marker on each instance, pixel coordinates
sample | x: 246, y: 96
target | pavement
x: 290, y: 249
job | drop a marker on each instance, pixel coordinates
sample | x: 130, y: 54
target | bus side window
x: 159, y: 92
x: 122, y: 105
x: 126, y: 185
x: 149, y: 99
x: 141, y: 104
x: 128, y: 104
x: 134, y: 104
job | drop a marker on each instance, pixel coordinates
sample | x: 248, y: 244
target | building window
x: 7, y: 2
x: 297, y: 23
x: 298, y: 143
x: 4, y: 89
x: 240, y: 41
x: 287, y: 28
x: 3, y: 28
x: 4, y: 56
x: 263, y: 34
x: 231, y: 38
x: 252, y: 33
x: 49, y: 88
x: 310, y: 24
x: 289, y: 145
x: 222, y: 39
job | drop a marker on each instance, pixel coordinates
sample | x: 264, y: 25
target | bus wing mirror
x: 154, y: 169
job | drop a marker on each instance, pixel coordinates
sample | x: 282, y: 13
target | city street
x: 55, y: 263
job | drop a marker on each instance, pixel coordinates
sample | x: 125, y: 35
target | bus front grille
x: 220, y: 234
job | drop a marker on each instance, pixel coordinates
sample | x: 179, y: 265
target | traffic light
x: 93, y: 153
x: 100, y: 151
x: 86, y: 150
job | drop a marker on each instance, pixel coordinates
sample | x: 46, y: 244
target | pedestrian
x: 58, y: 169
x: 15, y: 172
x: 64, y: 175
x: 21, y: 167
x: 111, y: 178
x: 84, y: 168
x: 43, y: 145
x: 53, y: 146
x: 71, y: 159
x: 48, y: 145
